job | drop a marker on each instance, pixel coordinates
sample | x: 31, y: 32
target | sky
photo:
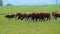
x: 30, y: 2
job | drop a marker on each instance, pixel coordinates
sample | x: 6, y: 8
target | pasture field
x: 14, y: 26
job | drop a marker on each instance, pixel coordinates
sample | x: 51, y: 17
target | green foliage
x: 1, y: 3
x: 9, y: 4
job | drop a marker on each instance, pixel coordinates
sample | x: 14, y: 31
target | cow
x: 47, y: 15
x: 36, y: 15
x: 12, y: 15
x: 56, y: 14
x: 25, y: 16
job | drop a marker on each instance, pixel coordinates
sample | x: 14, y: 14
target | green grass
x: 14, y: 26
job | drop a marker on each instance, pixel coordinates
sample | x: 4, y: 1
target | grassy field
x: 14, y: 26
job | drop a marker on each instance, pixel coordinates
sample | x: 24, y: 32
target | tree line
x: 1, y: 3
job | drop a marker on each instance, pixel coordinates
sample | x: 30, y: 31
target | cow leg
x: 49, y: 19
x: 39, y: 19
x: 19, y: 17
x: 25, y: 19
x: 29, y: 19
x: 56, y: 18
x: 43, y: 19
x: 36, y: 19
x: 33, y: 19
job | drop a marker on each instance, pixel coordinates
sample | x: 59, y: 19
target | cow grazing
x: 47, y: 16
x: 56, y: 14
x: 25, y: 16
x: 13, y: 15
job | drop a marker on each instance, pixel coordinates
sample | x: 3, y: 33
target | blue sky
x: 30, y: 2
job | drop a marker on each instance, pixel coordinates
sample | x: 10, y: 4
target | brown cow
x: 56, y: 14
x: 12, y: 15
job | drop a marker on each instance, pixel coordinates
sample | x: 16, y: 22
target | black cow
x: 25, y: 16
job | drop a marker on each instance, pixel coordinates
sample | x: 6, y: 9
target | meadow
x: 14, y: 26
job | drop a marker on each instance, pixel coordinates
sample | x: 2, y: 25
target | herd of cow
x: 35, y: 16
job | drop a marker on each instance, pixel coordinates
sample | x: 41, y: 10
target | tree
x: 9, y: 4
x: 1, y: 3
